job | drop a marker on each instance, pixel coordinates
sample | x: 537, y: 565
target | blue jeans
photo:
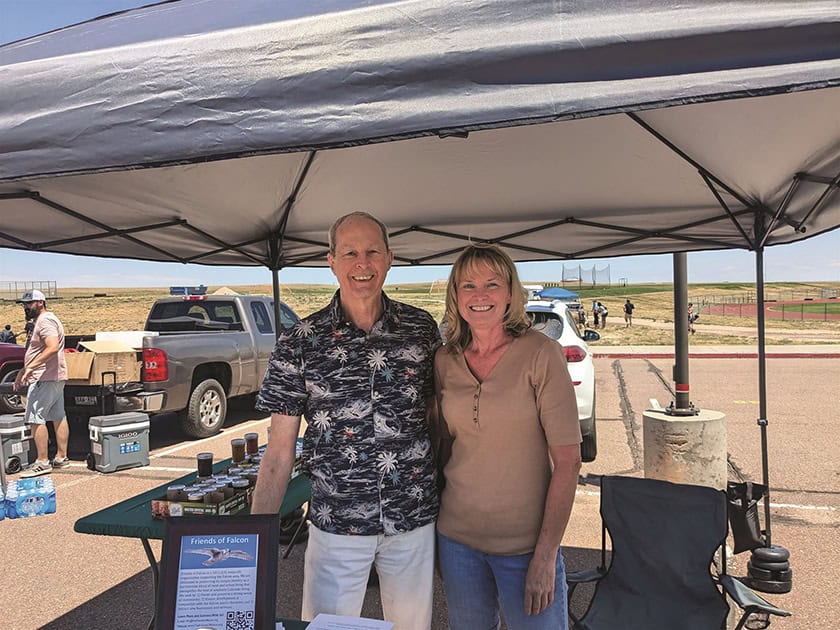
x: 479, y: 584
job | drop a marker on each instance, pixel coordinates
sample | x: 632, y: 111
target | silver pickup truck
x: 207, y: 349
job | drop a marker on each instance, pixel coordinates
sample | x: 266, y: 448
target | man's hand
x: 22, y: 376
x: 51, y: 348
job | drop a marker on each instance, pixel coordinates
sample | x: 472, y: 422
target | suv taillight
x: 574, y: 354
x: 155, y: 365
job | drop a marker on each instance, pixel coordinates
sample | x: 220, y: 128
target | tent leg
x: 778, y: 557
x: 762, y: 385
x: 275, y: 285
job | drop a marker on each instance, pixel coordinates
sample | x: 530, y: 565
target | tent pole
x: 681, y: 405
x: 275, y: 265
x: 275, y: 285
x: 772, y: 560
x: 762, y: 385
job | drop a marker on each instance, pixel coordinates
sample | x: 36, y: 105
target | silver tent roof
x: 225, y: 133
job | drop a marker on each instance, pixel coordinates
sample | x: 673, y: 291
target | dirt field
x: 126, y: 309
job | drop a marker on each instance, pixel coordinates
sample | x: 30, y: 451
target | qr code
x: 239, y: 620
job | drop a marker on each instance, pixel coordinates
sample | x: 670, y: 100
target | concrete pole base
x: 686, y: 449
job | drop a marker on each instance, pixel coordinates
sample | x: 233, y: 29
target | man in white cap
x: 43, y: 373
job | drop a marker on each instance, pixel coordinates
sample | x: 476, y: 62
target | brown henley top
x: 499, y: 472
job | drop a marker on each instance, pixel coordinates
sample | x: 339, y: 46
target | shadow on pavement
x: 165, y: 429
x: 577, y: 559
x: 127, y: 605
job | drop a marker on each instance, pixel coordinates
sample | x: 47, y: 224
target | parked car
x: 197, y: 352
x: 11, y: 360
x: 556, y: 320
x: 207, y: 348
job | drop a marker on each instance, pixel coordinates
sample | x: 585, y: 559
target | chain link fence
x: 13, y: 289
x: 809, y: 304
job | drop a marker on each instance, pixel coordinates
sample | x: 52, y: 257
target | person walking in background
x: 628, y: 313
x: 603, y: 313
x: 596, y: 313
x: 43, y: 375
x: 7, y: 336
x: 692, y: 317
x: 360, y: 370
x: 504, y: 395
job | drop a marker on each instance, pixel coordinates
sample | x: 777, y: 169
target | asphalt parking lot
x: 57, y: 579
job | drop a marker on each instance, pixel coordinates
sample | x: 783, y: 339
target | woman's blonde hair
x: 456, y: 331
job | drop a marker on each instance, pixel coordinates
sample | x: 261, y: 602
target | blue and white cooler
x: 119, y: 441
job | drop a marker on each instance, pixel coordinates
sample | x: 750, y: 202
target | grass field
x: 126, y: 309
x: 825, y: 308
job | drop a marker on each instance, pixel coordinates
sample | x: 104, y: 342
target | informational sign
x: 218, y: 572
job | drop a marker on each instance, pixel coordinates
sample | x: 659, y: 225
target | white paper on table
x: 337, y: 622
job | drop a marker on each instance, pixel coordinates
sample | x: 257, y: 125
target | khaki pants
x: 336, y: 571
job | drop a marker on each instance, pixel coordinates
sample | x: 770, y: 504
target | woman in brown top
x: 508, y: 405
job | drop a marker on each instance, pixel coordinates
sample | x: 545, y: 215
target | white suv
x: 557, y: 321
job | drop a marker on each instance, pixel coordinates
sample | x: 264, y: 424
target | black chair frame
x: 749, y: 602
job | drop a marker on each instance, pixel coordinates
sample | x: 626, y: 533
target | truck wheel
x: 205, y: 414
x: 10, y: 403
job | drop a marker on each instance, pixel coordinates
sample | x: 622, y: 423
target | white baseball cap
x: 32, y: 296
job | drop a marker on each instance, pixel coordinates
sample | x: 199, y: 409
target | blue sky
x: 815, y: 259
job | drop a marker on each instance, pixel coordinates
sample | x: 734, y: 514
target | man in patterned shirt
x: 360, y: 370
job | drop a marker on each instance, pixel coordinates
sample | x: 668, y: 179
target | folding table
x: 132, y: 518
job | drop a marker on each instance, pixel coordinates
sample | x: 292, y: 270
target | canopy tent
x: 557, y: 293
x: 222, y: 133
x: 234, y: 133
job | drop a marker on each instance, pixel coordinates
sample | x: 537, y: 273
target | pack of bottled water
x: 2, y: 505
x: 30, y: 497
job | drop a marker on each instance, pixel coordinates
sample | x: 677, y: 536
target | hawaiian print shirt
x: 366, y: 449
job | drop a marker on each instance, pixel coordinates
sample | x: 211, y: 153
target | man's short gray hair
x: 352, y: 215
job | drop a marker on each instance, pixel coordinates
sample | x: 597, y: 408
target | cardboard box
x: 86, y: 368
x: 133, y: 338
x: 163, y: 508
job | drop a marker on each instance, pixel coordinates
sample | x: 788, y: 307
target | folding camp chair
x: 664, y: 537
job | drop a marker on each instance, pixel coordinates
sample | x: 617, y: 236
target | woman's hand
x: 540, y: 582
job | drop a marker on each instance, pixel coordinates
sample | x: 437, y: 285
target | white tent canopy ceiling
x: 221, y: 133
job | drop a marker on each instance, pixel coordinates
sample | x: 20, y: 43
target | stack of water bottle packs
x: 28, y: 497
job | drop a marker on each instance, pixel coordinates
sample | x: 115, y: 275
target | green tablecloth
x: 132, y: 518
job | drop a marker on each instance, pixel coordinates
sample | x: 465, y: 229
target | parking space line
x: 185, y: 445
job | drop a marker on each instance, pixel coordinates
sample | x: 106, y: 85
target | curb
x: 716, y: 355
